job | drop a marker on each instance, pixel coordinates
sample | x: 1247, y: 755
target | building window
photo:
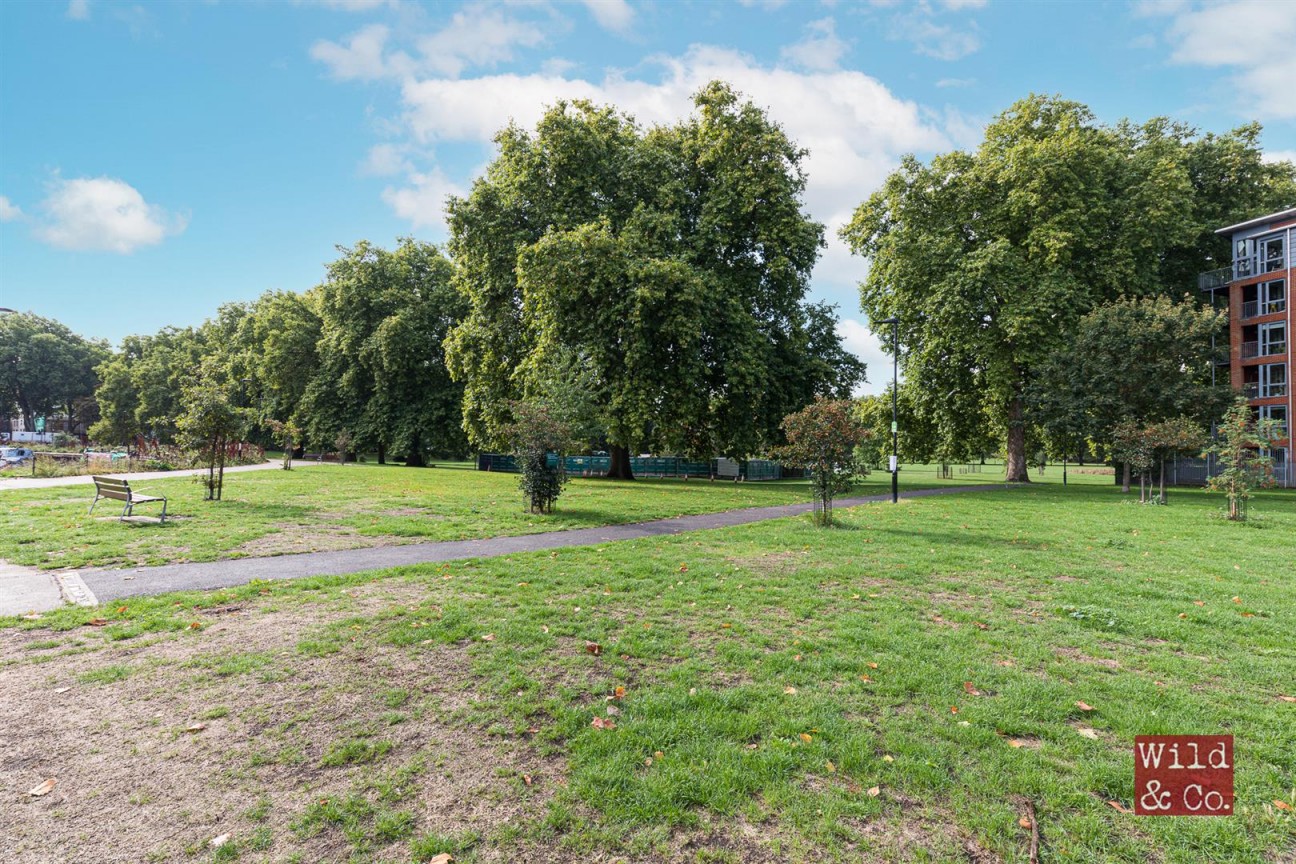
x: 1273, y: 381
x: 1270, y: 252
x: 1276, y: 413
x: 1272, y: 297
x: 1273, y: 338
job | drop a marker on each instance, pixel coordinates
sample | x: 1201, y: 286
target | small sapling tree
x: 823, y: 437
x: 1243, y: 467
x: 1173, y: 438
x: 533, y: 435
x: 209, y: 424
x: 286, y: 435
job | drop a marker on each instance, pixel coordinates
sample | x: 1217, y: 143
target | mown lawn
x: 897, y: 688
x: 317, y: 507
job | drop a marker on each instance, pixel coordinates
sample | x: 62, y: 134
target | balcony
x: 1255, y: 390
x: 1254, y: 308
x: 1242, y: 268
x: 1255, y: 349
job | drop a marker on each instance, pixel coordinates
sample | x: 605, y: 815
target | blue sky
x: 159, y: 159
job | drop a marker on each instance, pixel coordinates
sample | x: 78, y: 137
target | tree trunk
x: 619, y: 469
x: 382, y: 454
x: 1016, y: 469
x: 1163, y: 494
x: 1125, y: 479
x: 414, y: 458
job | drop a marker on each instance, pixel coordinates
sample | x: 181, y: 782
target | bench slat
x: 116, y: 494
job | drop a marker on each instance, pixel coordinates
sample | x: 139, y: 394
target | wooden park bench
x: 119, y: 490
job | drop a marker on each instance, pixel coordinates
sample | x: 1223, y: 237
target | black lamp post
x: 895, y: 427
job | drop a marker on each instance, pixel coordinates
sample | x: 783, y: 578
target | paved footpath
x: 90, y: 586
x: 7, y: 483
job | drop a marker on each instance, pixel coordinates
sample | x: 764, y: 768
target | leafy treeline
x: 646, y: 288
x: 991, y: 258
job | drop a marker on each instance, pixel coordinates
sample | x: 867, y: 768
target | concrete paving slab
x: 26, y: 589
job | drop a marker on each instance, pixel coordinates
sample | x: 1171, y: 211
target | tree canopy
x: 673, y: 262
x: 44, y: 366
x: 990, y: 258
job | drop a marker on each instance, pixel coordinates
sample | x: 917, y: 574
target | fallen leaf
x: 613, y: 711
x: 219, y: 841
x: 526, y: 778
x: 593, y: 648
x: 533, y: 729
x: 953, y: 709
x: 1016, y: 743
x: 866, y: 679
x: 66, y: 689
x: 1086, y: 732
x: 197, y: 625
x: 726, y: 625
x: 1006, y: 663
x: 544, y: 628
x: 44, y: 788
x: 874, y: 791
x: 1198, y: 603
x: 805, y: 737
x: 619, y: 693
x: 970, y: 690
x: 888, y: 758
x: 1183, y: 614
x: 443, y: 858
x: 1237, y: 600
x: 790, y: 691
x: 195, y: 727
x: 683, y: 568
x: 1282, y: 805
x: 600, y: 723
x: 1119, y: 807
x: 1083, y: 706
x: 121, y: 609
x: 489, y: 637
x: 31, y: 616
x: 96, y: 622
x: 797, y: 658
x: 658, y: 754
x: 1288, y: 698
x: 871, y: 665
x: 832, y: 769
x: 1024, y: 822
x: 647, y: 761
x: 981, y: 625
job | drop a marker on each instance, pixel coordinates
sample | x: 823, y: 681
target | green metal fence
x: 646, y: 466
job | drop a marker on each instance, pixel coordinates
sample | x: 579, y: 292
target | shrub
x: 1243, y: 468
x: 534, y: 434
x: 823, y: 437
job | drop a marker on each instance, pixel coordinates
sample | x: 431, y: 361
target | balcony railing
x: 1255, y: 349
x: 1254, y: 390
x: 1242, y: 268
x: 1254, y: 308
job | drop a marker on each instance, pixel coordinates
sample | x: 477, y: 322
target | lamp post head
x: 891, y: 320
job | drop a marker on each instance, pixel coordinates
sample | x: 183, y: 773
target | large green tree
x: 674, y: 263
x: 381, y: 378
x: 990, y: 258
x: 1142, y: 360
x: 141, y: 386
x: 44, y: 366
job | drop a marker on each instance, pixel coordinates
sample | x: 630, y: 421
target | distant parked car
x: 11, y: 457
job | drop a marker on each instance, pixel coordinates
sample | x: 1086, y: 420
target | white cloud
x: 614, y: 15
x: 860, y: 341
x: 353, y: 5
x: 820, y: 49
x: 423, y: 201
x: 935, y: 40
x: 1280, y: 156
x: 384, y: 160
x: 103, y: 214
x: 767, y: 5
x: 1252, y: 37
x: 474, y: 36
x: 78, y: 10
x: 959, y: 5
x: 9, y: 211
x: 955, y: 82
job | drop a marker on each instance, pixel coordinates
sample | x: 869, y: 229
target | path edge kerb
x: 116, y: 584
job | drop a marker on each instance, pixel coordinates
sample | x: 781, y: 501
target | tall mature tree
x: 990, y: 258
x: 275, y: 345
x: 44, y: 366
x: 674, y: 263
x: 1144, y: 360
x: 142, y: 384
x: 381, y: 375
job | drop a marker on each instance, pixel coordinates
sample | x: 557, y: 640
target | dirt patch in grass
x: 294, y: 539
x: 768, y: 564
x: 1078, y: 656
x: 134, y: 783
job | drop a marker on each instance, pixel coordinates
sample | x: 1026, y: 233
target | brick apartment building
x: 1256, y: 286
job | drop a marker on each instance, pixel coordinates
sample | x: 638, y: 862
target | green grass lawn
x: 328, y: 506
x: 895, y: 688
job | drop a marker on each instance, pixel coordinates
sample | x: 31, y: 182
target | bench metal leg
x: 128, y: 510
x: 164, y: 503
x: 93, y: 503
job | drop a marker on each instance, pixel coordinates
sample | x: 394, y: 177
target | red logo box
x: 1183, y: 775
